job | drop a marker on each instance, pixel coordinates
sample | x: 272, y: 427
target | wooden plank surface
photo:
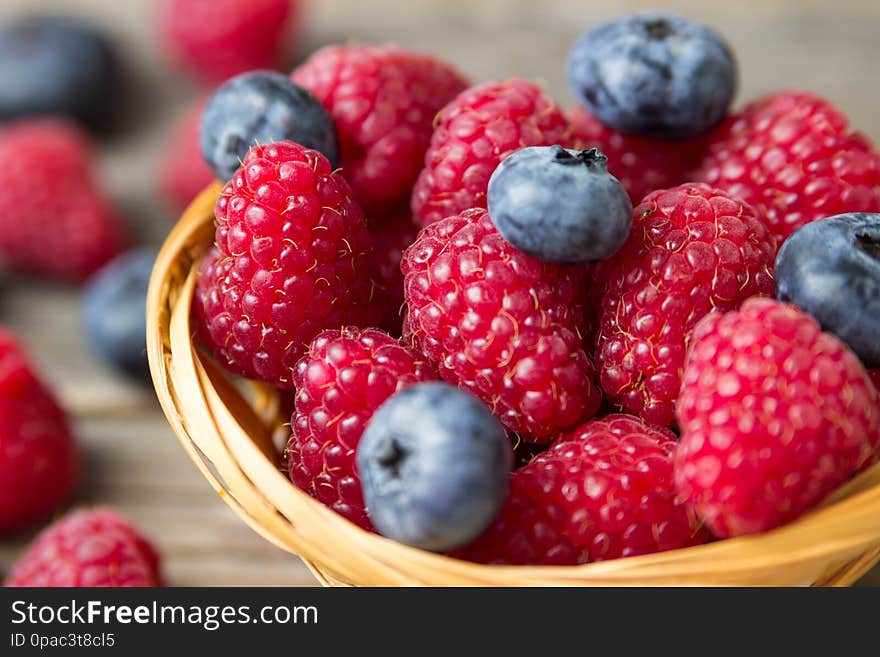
x: 131, y: 459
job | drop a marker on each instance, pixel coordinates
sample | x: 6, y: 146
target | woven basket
x: 228, y: 433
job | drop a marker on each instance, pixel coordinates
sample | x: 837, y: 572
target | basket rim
x: 851, y: 515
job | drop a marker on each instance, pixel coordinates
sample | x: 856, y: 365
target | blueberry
x: 113, y: 311
x: 654, y: 74
x: 831, y: 269
x: 56, y: 66
x: 262, y: 107
x: 434, y: 464
x: 559, y: 205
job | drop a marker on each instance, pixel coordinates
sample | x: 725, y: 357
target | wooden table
x: 132, y: 461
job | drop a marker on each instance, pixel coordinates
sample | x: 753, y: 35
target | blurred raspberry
x: 602, y: 491
x: 38, y: 464
x: 391, y: 237
x: 54, y: 221
x: 183, y: 171
x: 500, y: 324
x: 216, y: 39
x: 293, y: 258
x: 641, y: 164
x: 693, y: 249
x: 774, y: 414
x: 792, y: 156
x: 88, y: 548
x: 383, y: 100
x: 340, y: 382
x: 474, y: 132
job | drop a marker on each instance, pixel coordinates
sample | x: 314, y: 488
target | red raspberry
x: 293, y: 259
x: 38, y: 464
x: 340, y: 382
x: 183, y: 171
x: 775, y: 414
x: 383, y: 100
x: 875, y: 378
x: 792, y: 156
x: 53, y: 219
x: 218, y: 38
x: 391, y: 237
x: 500, y: 324
x: 693, y: 249
x: 477, y: 130
x: 602, y: 491
x: 642, y: 165
x: 88, y: 548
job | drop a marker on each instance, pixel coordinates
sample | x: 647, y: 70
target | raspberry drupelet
x: 474, y: 132
x: 774, y: 414
x: 693, y: 249
x: 343, y: 378
x: 793, y: 157
x: 602, y: 491
x: 292, y: 259
x: 383, y: 100
x: 500, y: 324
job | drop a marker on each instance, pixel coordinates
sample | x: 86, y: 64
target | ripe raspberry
x: 775, y: 414
x: 500, y: 324
x: 293, y: 259
x: 53, y: 219
x: 383, y: 100
x: 641, y: 164
x: 88, y: 548
x: 218, y: 38
x: 391, y: 237
x: 38, y: 465
x: 183, y: 171
x: 477, y: 130
x: 602, y: 491
x: 340, y: 382
x: 693, y: 249
x: 792, y: 156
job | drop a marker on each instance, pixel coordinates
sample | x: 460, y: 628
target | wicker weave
x: 228, y: 434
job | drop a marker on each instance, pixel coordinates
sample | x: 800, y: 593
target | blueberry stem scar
x: 392, y: 457
x: 589, y: 157
x: 869, y: 244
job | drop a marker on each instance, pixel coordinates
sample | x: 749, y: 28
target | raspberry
x: 500, y: 324
x: 38, y: 465
x: 293, y: 259
x: 775, y: 414
x: 383, y: 100
x: 602, y: 491
x: 86, y: 548
x: 641, y: 164
x: 53, y: 219
x: 340, y: 382
x: 875, y: 378
x: 477, y: 130
x: 391, y: 237
x: 792, y: 156
x: 218, y: 38
x: 183, y: 171
x: 693, y: 249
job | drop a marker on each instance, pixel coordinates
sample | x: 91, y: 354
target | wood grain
x: 131, y: 459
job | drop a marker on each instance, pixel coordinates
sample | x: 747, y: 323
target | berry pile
x: 622, y: 250
x: 506, y: 331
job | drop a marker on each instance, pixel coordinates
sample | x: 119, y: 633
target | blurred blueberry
x: 559, y: 205
x: 262, y: 107
x: 434, y: 464
x: 57, y: 66
x: 113, y: 311
x: 831, y: 269
x: 653, y: 74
